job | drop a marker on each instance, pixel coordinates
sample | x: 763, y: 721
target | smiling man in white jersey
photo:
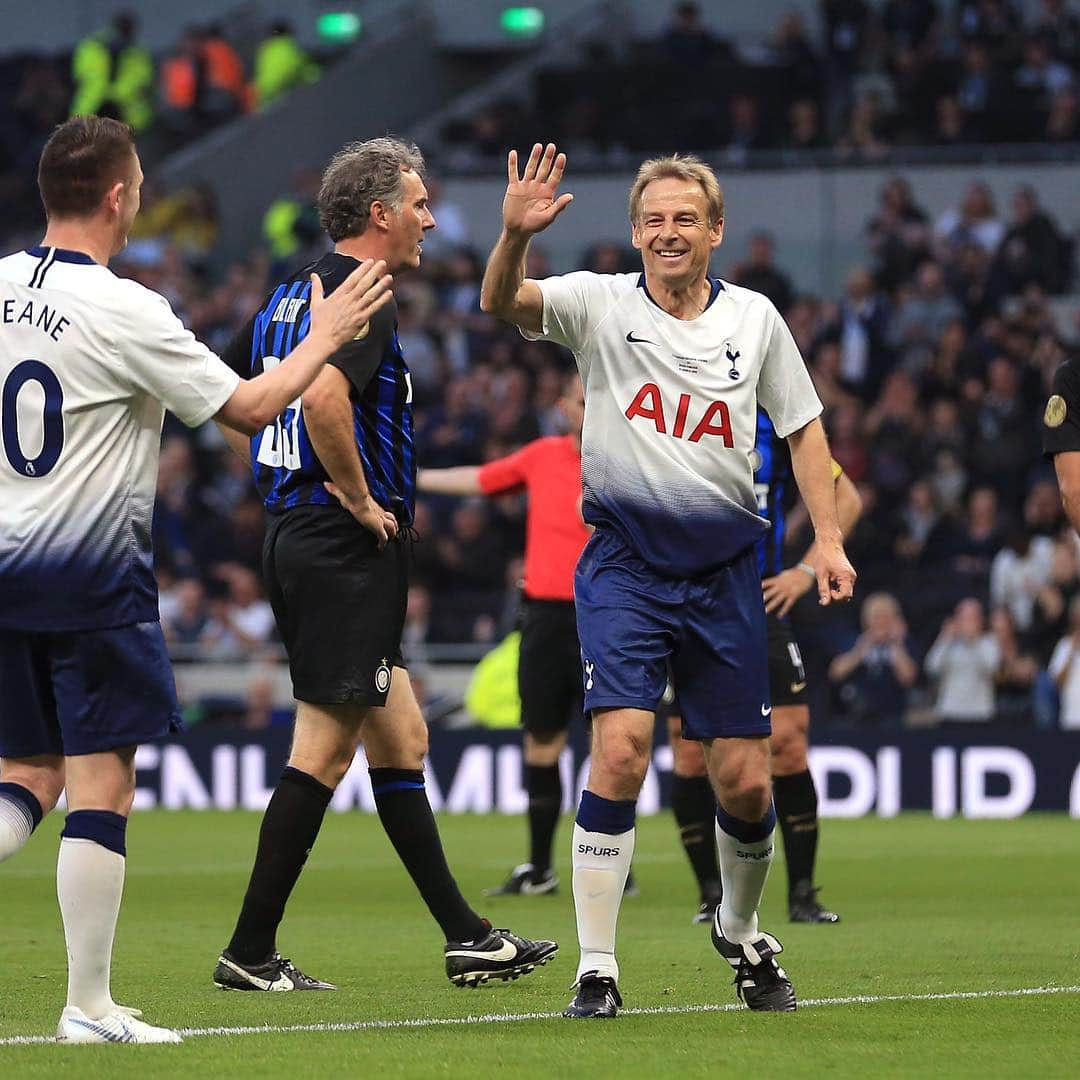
x: 88, y: 364
x: 675, y: 364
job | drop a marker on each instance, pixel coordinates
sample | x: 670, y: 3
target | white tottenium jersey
x: 671, y: 412
x: 86, y: 361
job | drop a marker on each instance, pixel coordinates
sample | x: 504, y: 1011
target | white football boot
x: 119, y: 1026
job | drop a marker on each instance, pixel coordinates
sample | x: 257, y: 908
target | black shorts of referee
x: 339, y: 603
x: 549, y: 666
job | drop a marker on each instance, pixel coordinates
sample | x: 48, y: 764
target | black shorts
x: 549, y: 666
x: 787, y: 676
x: 339, y: 604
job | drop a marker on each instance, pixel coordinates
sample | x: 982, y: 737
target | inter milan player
x: 336, y: 473
x: 549, y: 664
x: 674, y: 364
x: 88, y: 364
x: 794, y: 795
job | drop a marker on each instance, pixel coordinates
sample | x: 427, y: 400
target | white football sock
x: 89, y: 884
x: 15, y: 827
x: 744, y: 866
x: 601, y: 862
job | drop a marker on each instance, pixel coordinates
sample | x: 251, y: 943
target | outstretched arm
x: 529, y: 206
x: 461, y: 480
x: 812, y: 466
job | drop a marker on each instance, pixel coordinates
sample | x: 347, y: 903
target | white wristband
x: 806, y: 568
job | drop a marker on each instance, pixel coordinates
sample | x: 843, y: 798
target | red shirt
x: 550, y: 471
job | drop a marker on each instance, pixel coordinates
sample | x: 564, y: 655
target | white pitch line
x: 512, y: 1018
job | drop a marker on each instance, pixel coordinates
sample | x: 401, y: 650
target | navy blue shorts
x: 84, y: 692
x: 633, y: 623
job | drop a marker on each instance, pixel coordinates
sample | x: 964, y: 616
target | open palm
x: 530, y: 204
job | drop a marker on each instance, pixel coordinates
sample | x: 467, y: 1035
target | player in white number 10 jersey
x: 88, y: 364
x: 675, y: 364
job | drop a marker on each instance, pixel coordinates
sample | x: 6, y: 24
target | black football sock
x: 544, y: 785
x: 406, y: 816
x: 797, y: 811
x: 694, y: 805
x: 289, y: 828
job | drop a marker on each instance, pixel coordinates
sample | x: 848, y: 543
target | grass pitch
x: 929, y: 907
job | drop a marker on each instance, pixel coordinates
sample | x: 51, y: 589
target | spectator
x: 804, y: 126
x: 686, y: 41
x: 922, y: 316
x: 1032, y: 252
x: 225, y: 90
x: 245, y: 621
x: 281, y: 65
x: 1050, y: 614
x: 1040, y: 74
x: 964, y: 660
x: 899, y: 234
x: 862, y: 331
x: 290, y: 226
x: 974, y: 221
x: 922, y: 529
x: 1058, y: 23
x: 1065, y: 670
x: 977, y: 541
x: 1063, y: 117
x: 797, y: 60
x: 875, y: 675
x: 760, y: 272
x: 188, y: 624
x: 1018, y: 572
x: 114, y: 74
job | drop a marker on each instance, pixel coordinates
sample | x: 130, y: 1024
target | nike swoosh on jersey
x: 764, y: 711
x: 638, y: 340
x: 506, y: 951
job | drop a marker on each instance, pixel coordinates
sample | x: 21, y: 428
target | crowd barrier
x: 991, y: 773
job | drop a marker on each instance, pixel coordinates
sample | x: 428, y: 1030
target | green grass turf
x: 928, y: 907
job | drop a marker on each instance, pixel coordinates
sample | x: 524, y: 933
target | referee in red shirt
x: 549, y: 667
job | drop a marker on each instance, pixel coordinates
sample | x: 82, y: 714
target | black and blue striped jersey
x: 287, y: 470
x: 775, y: 490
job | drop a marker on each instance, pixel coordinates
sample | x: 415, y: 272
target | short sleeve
x: 165, y: 359
x: 506, y: 474
x: 1061, y: 417
x: 237, y: 354
x: 361, y: 357
x: 573, y: 308
x: 785, y: 389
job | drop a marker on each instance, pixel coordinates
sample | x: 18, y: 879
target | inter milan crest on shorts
x: 382, y: 677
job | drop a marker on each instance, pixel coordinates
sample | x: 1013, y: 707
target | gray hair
x: 360, y: 174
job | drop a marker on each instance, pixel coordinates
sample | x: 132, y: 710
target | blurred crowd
x: 933, y: 366
x: 208, y: 77
x: 864, y: 79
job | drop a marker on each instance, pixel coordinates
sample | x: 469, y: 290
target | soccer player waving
x: 674, y: 364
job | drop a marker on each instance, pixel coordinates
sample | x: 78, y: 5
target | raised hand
x: 530, y: 204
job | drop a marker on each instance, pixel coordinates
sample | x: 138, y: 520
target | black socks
x: 406, y: 816
x: 797, y: 810
x: 694, y: 805
x: 289, y: 828
x: 544, y: 785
